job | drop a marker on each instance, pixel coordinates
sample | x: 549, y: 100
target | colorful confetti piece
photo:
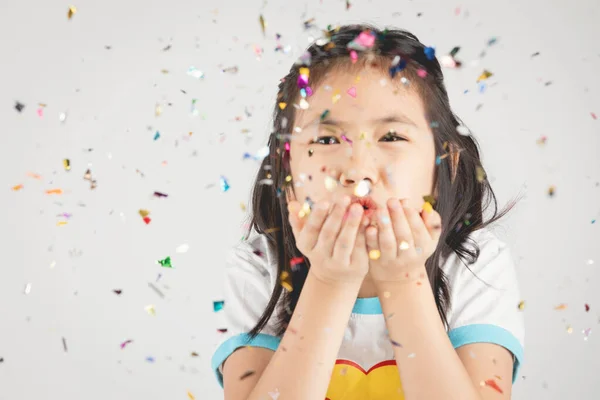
x: 166, y: 262
x: 71, y: 12
x: 125, y: 343
x: 218, y: 305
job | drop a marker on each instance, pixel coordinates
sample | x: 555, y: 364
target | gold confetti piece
x: 67, y: 164
x: 17, y: 187
x: 569, y: 329
x: 479, y: 174
x: 263, y: 23
x: 144, y: 213
x: 551, y: 190
x: 522, y: 305
x: 54, y: 191
x: 191, y: 396
x: 305, y: 71
x: 282, y: 105
x: 386, y: 295
x: 242, y: 206
x: 374, y: 254
x: 561, y: 307
x: 427, y: 207
x: 484, y: 75
x: 336, y: 97
x: 157, y: 110
x: 71, y: 12
x: 286, y: 281
x: 35, y: 176
x: 61, y: 223
x: 150, y: 310
x: 404, y: 245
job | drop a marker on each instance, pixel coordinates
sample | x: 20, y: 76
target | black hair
x: 462, y: 191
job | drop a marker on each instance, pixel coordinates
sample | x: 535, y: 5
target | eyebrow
x: 398, y: 118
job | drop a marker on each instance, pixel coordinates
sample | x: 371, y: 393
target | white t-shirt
x: 479, y: 313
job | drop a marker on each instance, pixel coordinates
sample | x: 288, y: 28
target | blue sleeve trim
x: 234, y: 343
x: 367, y: 305
x: 488, y: 333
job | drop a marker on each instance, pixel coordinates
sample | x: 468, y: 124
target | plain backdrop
x: 96, y: 89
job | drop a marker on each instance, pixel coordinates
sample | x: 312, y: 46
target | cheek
x: 410, y: 177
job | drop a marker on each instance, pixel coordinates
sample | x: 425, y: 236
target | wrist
x: 330, y: 283
x: 408, y: 276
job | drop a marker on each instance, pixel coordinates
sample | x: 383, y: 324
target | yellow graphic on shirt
x: 350, y: 381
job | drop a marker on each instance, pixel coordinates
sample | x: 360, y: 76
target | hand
x: 402, y: 241
x: 333, y: 239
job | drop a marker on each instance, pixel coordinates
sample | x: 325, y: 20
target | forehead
x: 356, y: 97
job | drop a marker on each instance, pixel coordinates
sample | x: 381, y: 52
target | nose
x: 360, y: 167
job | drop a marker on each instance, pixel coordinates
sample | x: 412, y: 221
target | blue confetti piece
x: 150, y: 359
x: 593, y: 221
x: 429, y: 53
x: 482, y: 87
x: 218, y: 305
x: 156, y: 135
x: 224, y: 184
x: 438, y: 160
x: 397, y: 68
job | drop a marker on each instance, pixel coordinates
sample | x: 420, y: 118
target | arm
x: 302, y: 365
x: 429, y: 365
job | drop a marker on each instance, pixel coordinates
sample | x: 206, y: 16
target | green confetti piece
x: 166, y: 262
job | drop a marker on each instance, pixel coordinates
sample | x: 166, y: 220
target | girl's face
x: 379, y: 134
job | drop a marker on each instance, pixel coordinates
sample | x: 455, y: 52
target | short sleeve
x: 249, y: 282
x: 484, y: 301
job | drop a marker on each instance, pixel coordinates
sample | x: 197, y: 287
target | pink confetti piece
x: 352, y: 92
x: 346, y: 138
x: 594, y: 115
x: 125, y: 343
x: 353, y: 56
x: 366, y: 39
x: 40, y: 112
x: 422, y: 73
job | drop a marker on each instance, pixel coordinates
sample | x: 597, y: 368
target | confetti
x: 404, y: 245
x: 27, y: 288
x: 561, y: 307
x: 551, y: 191
x: 118, y: 291
x: 491, y: 383
x: 594, y: 115
x: 150, y: 359
x: 182, y: 248
x: 386, y: 295
x: 150, y: 309
x: 62, y: 117
x: 282, y: 105
x: 67, y: 164
x: 346, y: 139
x: 286, y: 281
x: 157, y: 290
x: 480, y: 174
x: 156, y: 135
x: 17, y: 187
x: 352, y: 92
x: 484, y: 75
x: 422, y: 73
x: 218, y: 305
x: 362, y: 188
x: 64, y: 342
x: 427, y: 207
x: 159, y: 194
x: 19, y: 106
x: 463, y: 130
x: 194, y: 354
x: 295, y: 261
x: 263, y: 24
x: 54, y: 191
x: 166, y: 262
x: 71, y: 12
x: 191, y: 396
x: 521, y: 305
x: 324, y: 115
x: 224, y: 184
x: 587, y: 307
x: 125, y: 343
x: 429, y: 53
x: 222, y: 330
x: 195, y: 72
x: 395, y: 343
x: 374, y: 254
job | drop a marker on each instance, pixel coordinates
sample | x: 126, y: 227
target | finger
x: 419, y: 230
x: 360, y: 243
x: 309, y: 234
x: 345, y: 241
x: 433, y: 222
x: 386, y: 235
x: 333, y: 223
x: 372, y: 242
x: 401, y: 226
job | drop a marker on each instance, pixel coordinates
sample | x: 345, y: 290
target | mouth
x: 367, y: 203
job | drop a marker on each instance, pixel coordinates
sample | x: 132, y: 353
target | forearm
x: 302, y: 365
x: 428, y: 363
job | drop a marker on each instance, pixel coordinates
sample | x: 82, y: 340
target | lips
x: 368, y: 204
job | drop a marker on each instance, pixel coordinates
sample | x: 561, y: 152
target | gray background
x: 110, y: 95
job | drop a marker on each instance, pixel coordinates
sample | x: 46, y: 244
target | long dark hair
x: 462, y: 191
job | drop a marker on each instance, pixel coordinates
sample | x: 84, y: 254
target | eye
x: 326, y: 140
x: 391, y: 136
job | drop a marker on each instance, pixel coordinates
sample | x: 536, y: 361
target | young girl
x: 368, y: 272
